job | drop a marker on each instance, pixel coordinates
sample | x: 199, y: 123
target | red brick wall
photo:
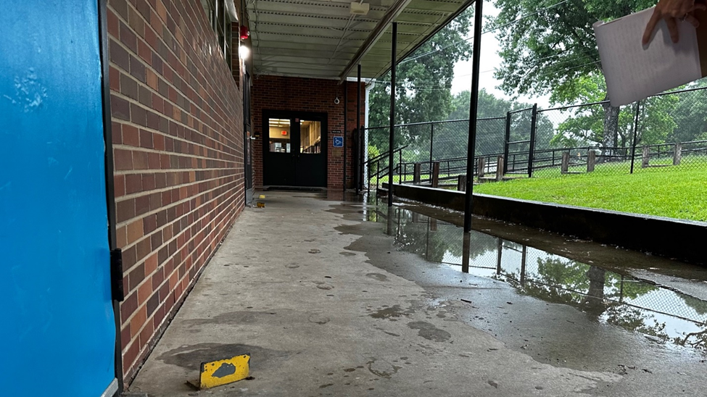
x: 178, y: 157
x: 309, y: 95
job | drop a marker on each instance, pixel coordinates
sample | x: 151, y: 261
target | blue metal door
x: 57, y: 328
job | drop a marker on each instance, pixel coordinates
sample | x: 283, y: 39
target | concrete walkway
x: 319, y: 319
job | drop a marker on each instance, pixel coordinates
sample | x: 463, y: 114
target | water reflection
x: 608, y: 297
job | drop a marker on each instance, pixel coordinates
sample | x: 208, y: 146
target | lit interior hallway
x: 295, y: 285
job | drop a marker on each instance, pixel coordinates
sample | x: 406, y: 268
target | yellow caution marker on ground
x: 221, y: 372
x: 260, y: 204
x: 262, y: 196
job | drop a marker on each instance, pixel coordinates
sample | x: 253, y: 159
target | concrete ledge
x: 652, y: 234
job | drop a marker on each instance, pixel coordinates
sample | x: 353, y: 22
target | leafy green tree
x: 424, y: 83
x: 690, y: 115
x: 491, y: 133
x: 585, y: 125
x: 548, y: 46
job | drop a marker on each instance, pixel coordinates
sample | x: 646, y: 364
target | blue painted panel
x: 57, y: 330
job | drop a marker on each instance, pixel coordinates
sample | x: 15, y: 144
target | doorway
x: 294, y: 149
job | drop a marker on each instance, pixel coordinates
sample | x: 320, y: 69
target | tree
x: 548, y: 46
x: 491, y: 127
x: 690, y: 115
x: 585, y: 124
x: 424, y: 83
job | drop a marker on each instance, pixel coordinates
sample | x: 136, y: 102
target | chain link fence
x: 665, y: 130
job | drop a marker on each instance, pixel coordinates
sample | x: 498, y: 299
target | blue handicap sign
x: 338, y: 141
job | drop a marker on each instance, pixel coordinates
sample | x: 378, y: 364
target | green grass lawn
x: 675, y: 191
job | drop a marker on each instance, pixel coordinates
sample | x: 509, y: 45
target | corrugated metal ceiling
x: 319, y: 39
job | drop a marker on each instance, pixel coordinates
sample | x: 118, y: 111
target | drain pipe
x: 473, y: 108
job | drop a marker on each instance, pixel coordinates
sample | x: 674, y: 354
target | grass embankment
x: 676, y: 191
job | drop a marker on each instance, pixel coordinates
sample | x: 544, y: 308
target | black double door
x: 294, y: 149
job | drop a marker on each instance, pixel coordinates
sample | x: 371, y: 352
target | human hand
x: 671, y: 11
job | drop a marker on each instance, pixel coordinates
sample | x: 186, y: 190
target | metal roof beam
x: 393, y: 12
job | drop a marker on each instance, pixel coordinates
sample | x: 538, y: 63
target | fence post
x: 645, y: 159
x: 506, y: 145
x: 565, y: 162
x: 531, y: 149
x: 635, y: 132
x: 432, y: 140
x: 435, y: 174
x: 677, y: 156
x: 416, y: 173
x: 480, y: 165
x: 591, y: 159
x: 461, y: 183
x: 499, y: 168
x: 400, y: 166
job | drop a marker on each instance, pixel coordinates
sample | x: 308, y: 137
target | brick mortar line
x: 177, y: 305
x: 166, y: 170
x: 164, y: 134
x: 164, y: 23
x: 165, y: 189
x: 148, y: 150
x: 126, y: 323
x: 172, y: 222
x: 179, y: 122
x: 176, y: 267
x: 170, y: 205
x: 165, y: 63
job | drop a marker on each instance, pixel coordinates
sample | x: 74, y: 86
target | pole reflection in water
x: 609, y: 297
x: 465, y: 252
x: 391, y: 230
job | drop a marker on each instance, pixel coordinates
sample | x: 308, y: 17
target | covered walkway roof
x: 329, y: 38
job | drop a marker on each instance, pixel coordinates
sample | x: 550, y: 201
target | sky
x: 489, y: 61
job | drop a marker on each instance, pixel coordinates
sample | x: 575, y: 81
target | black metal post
x: 400, y: 166
x: 635, y: 132
x: 507, y: 145
x: 346, y: 108
x: 359, y: 132
x: 473, y: 107
x: 531, y: 150
x: 432, y: 141
x: 391, y: 139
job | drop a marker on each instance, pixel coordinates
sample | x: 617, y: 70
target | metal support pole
x: 359, y: 132
x: 391, y: 139
x: 507, y: 145
x: 635, y: 132
x: 531, y: 150
x: 473, y: 107
x: 346, y: 108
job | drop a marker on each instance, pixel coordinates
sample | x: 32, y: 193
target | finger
x: 650, y: 27
x: 673, y: 28
x: 693, y: 21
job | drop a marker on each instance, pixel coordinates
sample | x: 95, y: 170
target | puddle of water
x: 607, y: 295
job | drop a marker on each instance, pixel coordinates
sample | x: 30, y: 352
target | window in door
x: 310, y: 137
x: 279, y: 135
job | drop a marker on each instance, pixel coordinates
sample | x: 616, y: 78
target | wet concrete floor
x: 403, y: 301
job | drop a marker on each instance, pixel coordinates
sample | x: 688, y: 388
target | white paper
x: 633, y: 72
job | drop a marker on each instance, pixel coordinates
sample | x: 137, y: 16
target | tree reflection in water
x: 604, y: 295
